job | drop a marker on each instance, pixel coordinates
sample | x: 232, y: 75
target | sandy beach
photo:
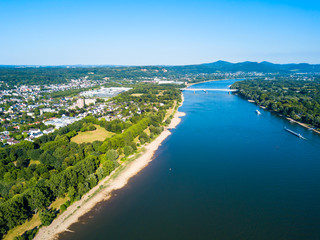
x: 103, y: 190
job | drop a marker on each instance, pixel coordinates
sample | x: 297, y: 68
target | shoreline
x: 287, y: 118
x: 301, y: 124
x: 103, y: 191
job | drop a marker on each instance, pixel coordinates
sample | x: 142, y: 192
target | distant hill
x: 224, y: 66
x: 219, y: 66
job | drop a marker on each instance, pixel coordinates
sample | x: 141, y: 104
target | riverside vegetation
x: 296, y: 99
x: 34, y: 176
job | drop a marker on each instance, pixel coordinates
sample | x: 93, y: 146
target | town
x: 29, y: 111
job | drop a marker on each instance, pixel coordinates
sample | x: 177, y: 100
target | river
x: 224, y: 173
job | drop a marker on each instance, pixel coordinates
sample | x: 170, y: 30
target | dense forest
x: 34, y: 174
x: 299, y: 100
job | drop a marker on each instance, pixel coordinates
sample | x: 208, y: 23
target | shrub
x: 128, y: 150
x: 63, y: 207
x: 112, y: 155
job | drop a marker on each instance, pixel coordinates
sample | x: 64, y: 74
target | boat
x: 258, y: 112
x: 294, y: 133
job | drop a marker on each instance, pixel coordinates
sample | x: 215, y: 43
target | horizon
x: 144, y: 33
x: 155, y: 65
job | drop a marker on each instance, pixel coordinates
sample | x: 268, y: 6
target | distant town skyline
x: 158, y: 32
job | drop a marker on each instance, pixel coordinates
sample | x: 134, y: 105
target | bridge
x: 209, y: 89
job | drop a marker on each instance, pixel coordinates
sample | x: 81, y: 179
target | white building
x: 62, y: 122
x: 80, y: 103
x: 89, y: 101
x: 44, y: 110
x: 105, y: 92
x: 49, y: 130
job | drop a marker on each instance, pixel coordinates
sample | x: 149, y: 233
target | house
x: 36, y: 135
x: 49, y: 130
x: 44, y: 110
x: 11, y: 141
x: 33, y: 131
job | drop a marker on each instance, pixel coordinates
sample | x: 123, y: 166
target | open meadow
x: 100, y: 134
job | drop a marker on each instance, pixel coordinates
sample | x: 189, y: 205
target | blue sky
x: 142, y: 32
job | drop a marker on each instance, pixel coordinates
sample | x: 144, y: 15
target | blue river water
x: 224, y: 173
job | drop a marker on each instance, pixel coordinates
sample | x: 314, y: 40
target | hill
x: 223, y: 66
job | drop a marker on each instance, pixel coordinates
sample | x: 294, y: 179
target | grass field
x: 147, y: 131
x: 100, y: 134
x: 136, y: 94
x: 28, y: 225
x: 57, y: 203
x: 160, y: 93
x: 34, y: 162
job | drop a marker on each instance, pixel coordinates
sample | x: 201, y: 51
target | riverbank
x: 177, y: 116
x: 103, y: 191
x: 289, y: 119
x: 302, y: 124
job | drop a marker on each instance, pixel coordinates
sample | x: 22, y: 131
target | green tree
x: 72, y: 192
x: 82, y: 188
x: 112, y: 155
x: 47, y: 216
x: 108, y: 166
x: 40, y: 197
x: 127, y: 150
x: 92, y: 180
x: 100, y: 173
